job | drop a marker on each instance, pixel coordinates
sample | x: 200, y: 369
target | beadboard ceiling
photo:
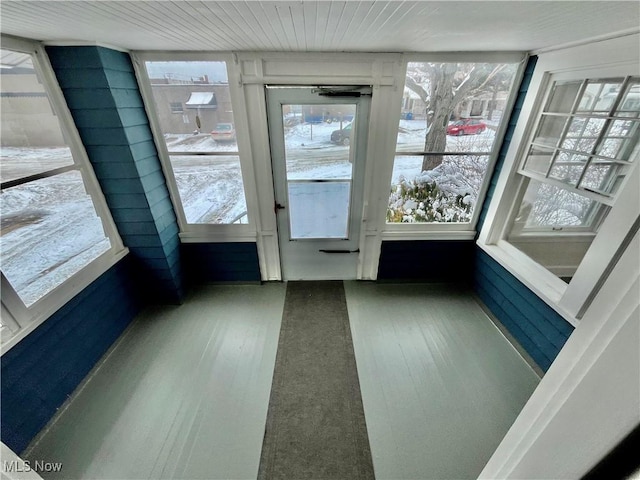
x: 374, y: 26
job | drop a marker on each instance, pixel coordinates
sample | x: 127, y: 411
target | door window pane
x: 319, y: 169
x: 450, y: 115
x: 193, y: 104
x: 319, y: 209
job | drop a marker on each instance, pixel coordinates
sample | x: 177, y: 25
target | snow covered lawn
x: 50, y: 229
x: 49, y: 232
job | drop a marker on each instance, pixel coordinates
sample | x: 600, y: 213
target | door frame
x: 314, y: 258
x: 384, y: 72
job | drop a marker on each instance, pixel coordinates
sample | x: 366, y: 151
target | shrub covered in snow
x: 439, y: 195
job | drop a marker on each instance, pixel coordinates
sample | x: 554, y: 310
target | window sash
x: 21, y: 320
x: 593, y: 155
x: 457, y: 230
x: 242, y: 230
x: 608, y: 59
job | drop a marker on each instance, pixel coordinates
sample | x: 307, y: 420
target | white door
x: 318, y: 141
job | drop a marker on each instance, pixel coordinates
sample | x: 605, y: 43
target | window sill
x: 538, y: 279
x: 427, y: 234
x: 57, y: 298
x: 220, y: 236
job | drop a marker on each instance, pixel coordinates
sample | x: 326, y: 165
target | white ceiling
x: 375, y: 26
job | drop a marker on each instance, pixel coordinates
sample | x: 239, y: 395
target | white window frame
x: 459, y: 231
x: 190, y: 232
x: 610, y: 58
x: 19, y: 319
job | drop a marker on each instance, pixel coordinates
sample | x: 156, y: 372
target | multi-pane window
x: 451, y: 113
x: 51, y: 228
x: 201, y: 142
x: 176, y: 107
x: 585, y: 136
x: 583, y: 146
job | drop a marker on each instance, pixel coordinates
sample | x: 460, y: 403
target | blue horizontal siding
x: 221, y: 262
x: 536, y: 326
x: 41, y: 371
x: 448, y: 261
x: 103, y: 95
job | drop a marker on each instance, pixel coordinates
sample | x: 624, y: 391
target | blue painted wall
x: 102, y: 93
x: 449, y: 261
x: 220, y: 262
x: 41, y: 371
x: 536, y: 326
x: 508, y: 136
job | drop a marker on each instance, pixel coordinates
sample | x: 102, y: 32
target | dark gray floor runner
x: 315, y: 424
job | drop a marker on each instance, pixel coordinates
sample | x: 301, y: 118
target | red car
x: 466, y: 126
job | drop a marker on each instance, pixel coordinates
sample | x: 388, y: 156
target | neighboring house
x: 26, y: 111
x: 179, y: 103
x: 482, y: 105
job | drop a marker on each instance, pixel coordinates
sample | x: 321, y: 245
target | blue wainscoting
x: 536, y: 326
x: 448, y: 261
x: 102, y: 93
x: 220, y: 262
x: 41, y: 371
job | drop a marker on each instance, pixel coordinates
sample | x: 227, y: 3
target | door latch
x: 277, y: 207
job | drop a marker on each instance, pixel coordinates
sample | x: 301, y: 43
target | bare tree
x: 447, y: 86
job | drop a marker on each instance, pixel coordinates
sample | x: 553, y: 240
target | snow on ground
x: 211, y: 188
x: 18, y: 160
x: 50, y: 230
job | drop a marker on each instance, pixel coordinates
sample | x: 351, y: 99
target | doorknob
x: 277, y: 207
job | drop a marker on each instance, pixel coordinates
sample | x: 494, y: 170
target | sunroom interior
x: 173, y: 173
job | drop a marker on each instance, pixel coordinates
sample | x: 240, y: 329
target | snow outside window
x: 201, y: 144
x: 583, y: 146
x: 50, y: 226
x: 451, y: 113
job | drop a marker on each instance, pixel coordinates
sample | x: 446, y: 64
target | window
x: 53, y: 221
x: 451, y: 116
x: 579, y: 155
x: 203, y: 159
x: 585, y: 136
x: 566, y: 204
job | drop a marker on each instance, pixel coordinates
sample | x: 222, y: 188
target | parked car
x: 224, y: 132
x: 342, y: 137
x: 466, y: 126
